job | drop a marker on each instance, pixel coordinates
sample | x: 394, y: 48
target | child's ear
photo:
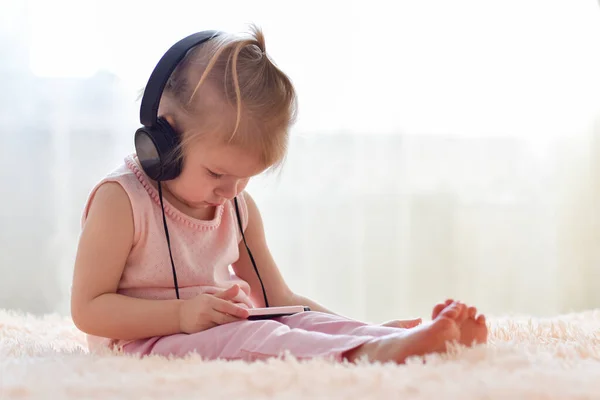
x: 176, y: 127
x: 169, y: 119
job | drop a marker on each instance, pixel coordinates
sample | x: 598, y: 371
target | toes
x: 463, y: 313
x: 414, y: 323
x: 472, y: 312
x: 440, y: 307
x: 453, y: 311
x: 481, y: 319
x: 437, y: 310
x: 410, y: 323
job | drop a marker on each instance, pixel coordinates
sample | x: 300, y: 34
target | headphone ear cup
x: 173, y: 162
x: 157, y: 149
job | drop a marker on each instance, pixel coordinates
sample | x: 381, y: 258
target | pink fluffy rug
x: 527, y: 358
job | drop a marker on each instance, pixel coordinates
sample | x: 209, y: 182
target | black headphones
x: 156, y: 141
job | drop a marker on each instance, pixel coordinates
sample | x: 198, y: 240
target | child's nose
x: 228, y: 190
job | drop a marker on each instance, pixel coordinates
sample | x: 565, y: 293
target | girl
x: 231, y: 109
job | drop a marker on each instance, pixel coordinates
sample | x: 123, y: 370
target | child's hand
x: 209, y: 310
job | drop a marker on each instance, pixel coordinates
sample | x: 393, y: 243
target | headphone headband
x: 162, y: 72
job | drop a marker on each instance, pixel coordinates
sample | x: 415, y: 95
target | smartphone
x: 274, y: 312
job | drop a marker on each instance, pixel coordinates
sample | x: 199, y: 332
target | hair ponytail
x: 240, y: 72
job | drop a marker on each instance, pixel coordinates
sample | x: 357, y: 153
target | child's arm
x: 104, y: 245
x: 278, y: 292
x: 97, y: 309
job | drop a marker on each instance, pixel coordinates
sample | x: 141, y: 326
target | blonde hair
x: 232, y: 76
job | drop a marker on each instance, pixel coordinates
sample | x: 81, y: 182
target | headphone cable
x: 237, y: 211
x: 162, y: 206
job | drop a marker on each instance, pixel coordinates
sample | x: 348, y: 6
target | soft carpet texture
x: 527, y: 358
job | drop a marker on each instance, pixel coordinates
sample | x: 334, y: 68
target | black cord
x: 237, y: 211
x: 168, y: 239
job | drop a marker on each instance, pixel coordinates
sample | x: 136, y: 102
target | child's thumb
x: 229, y: 293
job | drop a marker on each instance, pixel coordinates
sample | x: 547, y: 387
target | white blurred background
x: 442, y: 149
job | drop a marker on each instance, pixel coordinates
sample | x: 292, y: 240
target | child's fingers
x: 222, y: 318
x: 243, y: 304
x: 235, y: 294
x: 245, y: 301
x: 227, y: 307
x: 228, y: 294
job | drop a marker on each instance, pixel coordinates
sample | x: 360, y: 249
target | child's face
x: 213, y: 173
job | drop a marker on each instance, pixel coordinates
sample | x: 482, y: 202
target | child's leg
x: 250, y: 340
x: 334, y: 324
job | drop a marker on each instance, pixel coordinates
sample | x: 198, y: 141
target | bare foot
x: 431, y: 337
x: 473, y: 328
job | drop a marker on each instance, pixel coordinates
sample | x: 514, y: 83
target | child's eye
x: 214, y: 174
